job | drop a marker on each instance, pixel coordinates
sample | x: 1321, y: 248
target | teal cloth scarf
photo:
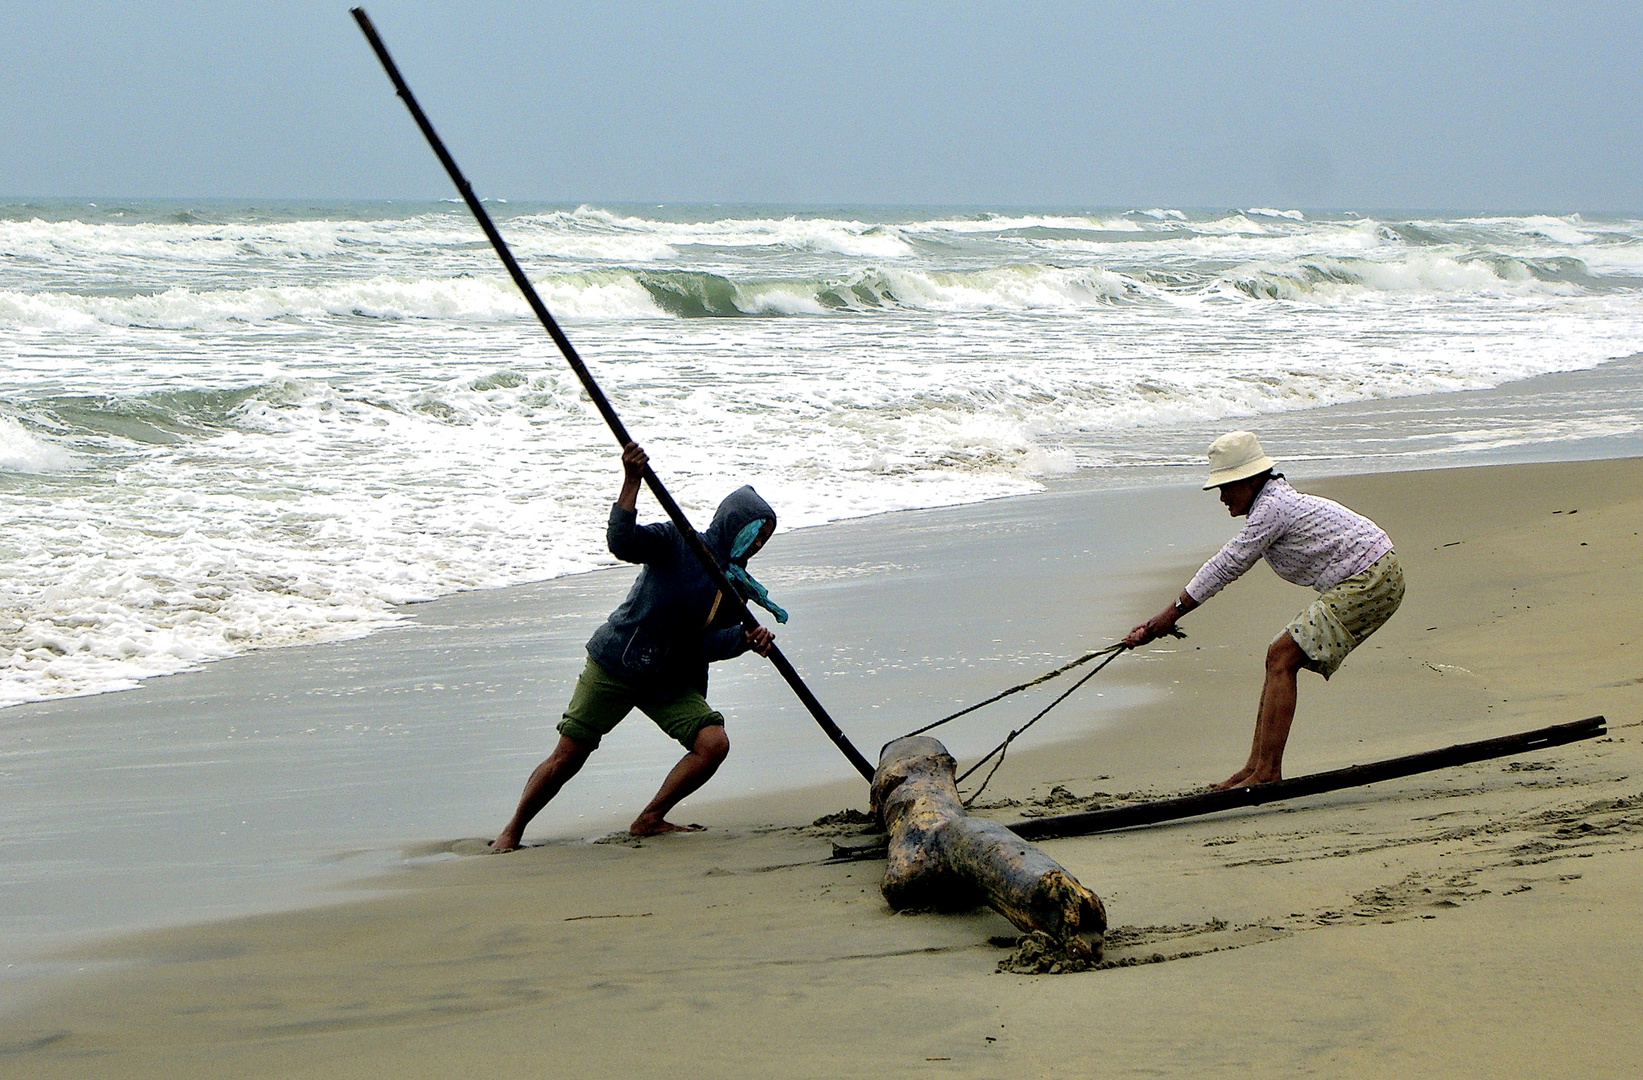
x: 737, y: 571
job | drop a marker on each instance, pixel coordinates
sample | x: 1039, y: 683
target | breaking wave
x: 622, y: 294
x: 225, y: 428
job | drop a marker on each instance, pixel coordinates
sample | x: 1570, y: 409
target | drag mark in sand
x: 1132, y: 946
x: 26, y: 1046
x: 1483, y: 850
x: 635, y: 915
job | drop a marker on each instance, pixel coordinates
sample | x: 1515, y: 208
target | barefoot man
x: 1309, y: 541
x: 653, y: 651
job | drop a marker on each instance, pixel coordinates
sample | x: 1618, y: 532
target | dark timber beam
x: 1123, y: 817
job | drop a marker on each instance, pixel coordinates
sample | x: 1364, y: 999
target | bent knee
x: 572, y: 751
x: 712, y: 742
x: 1284, y: 655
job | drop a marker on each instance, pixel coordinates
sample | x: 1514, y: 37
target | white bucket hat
x: 1237, y: 455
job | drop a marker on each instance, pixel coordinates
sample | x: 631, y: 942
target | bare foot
x: 505, y: 841
x: 1248, y: 778
x: 644, y: 826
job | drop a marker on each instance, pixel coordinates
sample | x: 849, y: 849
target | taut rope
x: 1110, y: 653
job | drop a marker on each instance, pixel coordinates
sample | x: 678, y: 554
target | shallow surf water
x: 228, y: 426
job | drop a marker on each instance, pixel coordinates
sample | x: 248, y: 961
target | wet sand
x: 1477, y: 921
x: 260, y: 782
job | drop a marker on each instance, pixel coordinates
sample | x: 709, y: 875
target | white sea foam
x: 164, y: 242
x: 584, y: 296
x: 23, y: 452
x: 248, y: 432
x: 1334, y: 280
x: 1328, y: 275
x: 999, y: 223
x: 1565, y: 231
x: 1015, y: 288
x: 836, y: 236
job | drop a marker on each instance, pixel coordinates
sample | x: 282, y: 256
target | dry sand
x: 1477, y: 922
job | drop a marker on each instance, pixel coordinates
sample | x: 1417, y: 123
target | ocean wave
x: 1362, y: 264
x: 302, y: 511
x: 985, y: 224
x: 299, y: 510
x: 1418, y: 272
x: 21, y: 451
x: 837, y: 236
x: 1570, y: 231
x: 182, y: 252
x: 593, y: 295
x: 220, y: 434
x: 151, y: 236
x: 467, y: 299
x: 194, y: 242
x: 304, y: 243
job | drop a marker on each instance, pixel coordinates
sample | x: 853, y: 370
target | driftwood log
x: 941, y: 858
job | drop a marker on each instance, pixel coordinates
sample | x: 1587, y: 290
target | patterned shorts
x: 1339, y: 620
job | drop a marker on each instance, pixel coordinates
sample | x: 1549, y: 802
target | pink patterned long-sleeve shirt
x: 1306, y: 539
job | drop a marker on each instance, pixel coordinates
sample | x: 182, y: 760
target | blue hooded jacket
x: 661, y: 639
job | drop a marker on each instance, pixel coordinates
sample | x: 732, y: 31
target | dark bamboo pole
x: 600, y: 402
x: 1123, y: 817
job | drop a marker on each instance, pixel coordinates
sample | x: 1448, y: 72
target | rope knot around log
x: 940, y: 858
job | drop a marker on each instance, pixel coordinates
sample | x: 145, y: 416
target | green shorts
x: 1339, y: 620
x: 601, y: 700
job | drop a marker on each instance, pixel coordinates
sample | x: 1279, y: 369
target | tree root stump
x: 941, y: 859
x: 1037, y: 954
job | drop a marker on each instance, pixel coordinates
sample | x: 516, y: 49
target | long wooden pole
x: 1122, y: 817
x: 600, y: 402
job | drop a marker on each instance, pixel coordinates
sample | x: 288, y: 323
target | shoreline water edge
x: 480, y: 677
x: 204, y: 741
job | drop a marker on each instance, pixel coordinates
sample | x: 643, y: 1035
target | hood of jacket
x: 739, y: 509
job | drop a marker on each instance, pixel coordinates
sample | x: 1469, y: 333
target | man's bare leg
x: 565, y: 762
x: 693, y: 770
x: 1243, y: 774
x: 1273, y: 719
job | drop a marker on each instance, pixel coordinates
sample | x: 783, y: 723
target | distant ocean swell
x: 642, y: 293
x: 240, y: 427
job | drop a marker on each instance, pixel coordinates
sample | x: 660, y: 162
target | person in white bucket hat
x: 1307, y: 540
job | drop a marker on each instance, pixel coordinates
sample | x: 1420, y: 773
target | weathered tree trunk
x: 941, y: 858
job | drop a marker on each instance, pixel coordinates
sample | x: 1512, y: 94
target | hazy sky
x: 1502, y: 105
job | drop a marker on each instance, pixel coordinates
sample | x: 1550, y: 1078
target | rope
x: 1044, y: 678
x: 1002, y: 748
x: 1110, y: 653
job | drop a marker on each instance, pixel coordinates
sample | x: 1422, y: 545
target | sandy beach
x: 1476, y: 921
